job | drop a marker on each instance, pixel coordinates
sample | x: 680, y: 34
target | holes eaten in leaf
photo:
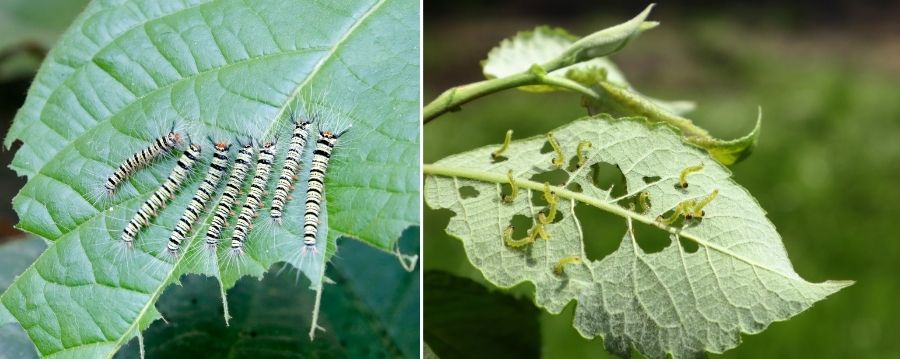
x: 651, y: 179
x: 688, y: 245
x: 467, y: 192
x: 638, y: 202
x: 650, y: 239
x: 574, y: 187
x: 606, y: 176
x: 602, y: 231
x: 522, y: 224
x: 556, y: 177
x: 546, y: 148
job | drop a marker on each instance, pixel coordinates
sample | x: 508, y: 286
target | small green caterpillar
x: 499, y: 152
x: 513, y: 188
x: 560, y: 158
x: 560, y: 267
x: 582, y: 148
x: 682, y: 178
x: 552, y: 199
x: 690, y: 209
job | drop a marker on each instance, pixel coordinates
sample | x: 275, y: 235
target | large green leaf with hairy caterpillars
x: 127, y: 70
x: 721, y: 275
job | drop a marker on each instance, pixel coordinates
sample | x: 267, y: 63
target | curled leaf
x: 622, y: 101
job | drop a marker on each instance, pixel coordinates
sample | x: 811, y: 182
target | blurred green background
x: 826, y: 169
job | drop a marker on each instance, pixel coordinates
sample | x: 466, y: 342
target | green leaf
x: 679, y: 301
x: 731, y: 151
x: 602, y: 43
x: 126, y: 70
x: 269, y: 315
x: 541, y: 45
x: 623, y: 101
x: 465, y: 320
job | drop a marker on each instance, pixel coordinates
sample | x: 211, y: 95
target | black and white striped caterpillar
x: 201, y: 197
x: 316, y: 190
x: 254, y: 197
x: 289, y: 169
x: 141, y: 159
x: 229, y: 196
x: 162, y: 195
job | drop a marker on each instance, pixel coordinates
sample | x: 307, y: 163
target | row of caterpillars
x: 240, y: 168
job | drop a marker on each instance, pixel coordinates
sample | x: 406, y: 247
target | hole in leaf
x: 602, y: 232
x: 467, y: 192
x: 650, y: 239
x: 633, y: 203
x: 498, y: 159
x: 546, y: 148
x: 556, y: 177
x: 688, y: 245
x: 575, y: 187
x: 573, y: 163
x: 538, y: 201
x: 651, y: 179
x: 522, y: 224
x: 607, y: 176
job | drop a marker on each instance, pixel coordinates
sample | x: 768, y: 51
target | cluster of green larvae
x: 690, y: 210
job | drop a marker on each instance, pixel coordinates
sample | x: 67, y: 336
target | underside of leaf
x: 678, y: 302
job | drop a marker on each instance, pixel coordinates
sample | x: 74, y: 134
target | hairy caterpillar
x: 254, y: 197
x: 201, y: 197
x: 289, y: 169
x: 229, y: 196
x: 314, y: 193
x: 162, y: 195
x: 141, y: 159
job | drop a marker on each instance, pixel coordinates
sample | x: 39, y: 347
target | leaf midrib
x: 484, y: 176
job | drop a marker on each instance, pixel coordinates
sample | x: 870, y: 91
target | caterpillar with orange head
x: 254, y: 197
x: 229, y: 196
x: 204, y: 193
x: 162, y: 195
x: 141, y: 159
x: 289, y: 169
x: 316, y: 189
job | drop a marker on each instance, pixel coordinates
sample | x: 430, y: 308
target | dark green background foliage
x: 473, y: 322
x: 825, y: 167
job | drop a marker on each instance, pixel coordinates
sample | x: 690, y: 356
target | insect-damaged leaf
x: 678, y: 301
x: 126, y: 70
